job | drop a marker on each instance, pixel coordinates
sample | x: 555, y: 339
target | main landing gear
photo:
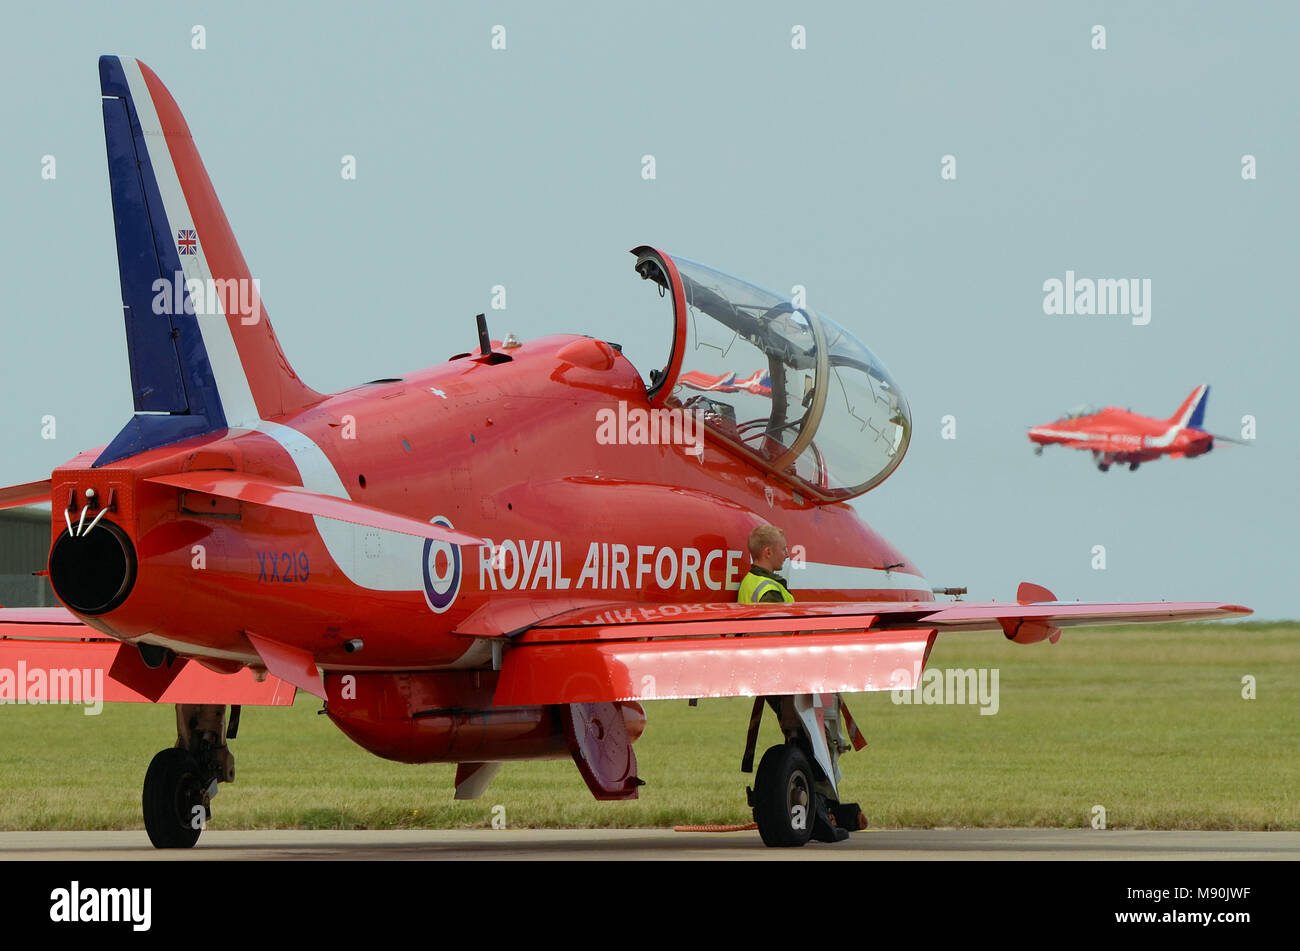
x: 181, y: 781
x: 795, y: 796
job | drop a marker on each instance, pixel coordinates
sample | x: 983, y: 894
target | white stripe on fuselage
x: 1066, y: 434
x: 370, y: 557
x: 1162, y: 442
x: 232, y: 384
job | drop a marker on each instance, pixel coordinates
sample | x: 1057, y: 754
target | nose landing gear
x: 783, y: 797
x: 795, y: 793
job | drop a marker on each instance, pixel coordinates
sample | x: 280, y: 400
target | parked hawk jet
x: 450, y: 558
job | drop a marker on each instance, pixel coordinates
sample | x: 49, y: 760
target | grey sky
x: 819, y: 167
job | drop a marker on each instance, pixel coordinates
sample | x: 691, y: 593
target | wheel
x: 1104, y: 466
x: 784, y: 797
x: 1133, y: 467
x: 173, y: 790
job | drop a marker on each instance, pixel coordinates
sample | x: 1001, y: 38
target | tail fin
x: 1191, y: 414
x: 202, y: 351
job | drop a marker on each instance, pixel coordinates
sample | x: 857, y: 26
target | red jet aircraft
x: 491, y: 559
x: 1118, y: 435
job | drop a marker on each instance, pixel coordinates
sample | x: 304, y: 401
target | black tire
x: 784, y: 797
x: 172, y: 790
x: 1104, y: 466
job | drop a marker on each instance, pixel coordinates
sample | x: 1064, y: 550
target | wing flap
x: 677, y: 668
x: 51, y: 648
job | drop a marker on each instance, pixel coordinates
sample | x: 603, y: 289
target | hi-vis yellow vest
x: 753, y: 587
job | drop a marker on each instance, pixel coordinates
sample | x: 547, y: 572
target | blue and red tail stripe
x: 192, y: 372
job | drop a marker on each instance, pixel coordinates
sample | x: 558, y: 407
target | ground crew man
x: 768, y: 551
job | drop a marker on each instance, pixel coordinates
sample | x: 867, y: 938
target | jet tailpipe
x: 93, y: 571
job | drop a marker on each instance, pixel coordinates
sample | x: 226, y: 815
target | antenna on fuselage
x: 487, y: 355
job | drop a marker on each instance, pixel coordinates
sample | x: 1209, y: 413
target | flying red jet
x: 1117, y: 435
x: 491, y: 559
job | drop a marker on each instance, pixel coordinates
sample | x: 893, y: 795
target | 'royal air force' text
x: 521, y: 565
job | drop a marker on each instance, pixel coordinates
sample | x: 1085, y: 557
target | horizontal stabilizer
x: 293, y: 498
x: 12, y: 496
x: 54, y: 651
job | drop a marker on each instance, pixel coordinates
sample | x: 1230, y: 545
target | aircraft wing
x: 671, y: 651
x: 46, y: 653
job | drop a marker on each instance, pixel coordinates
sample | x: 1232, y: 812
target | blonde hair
x: 765, y: 536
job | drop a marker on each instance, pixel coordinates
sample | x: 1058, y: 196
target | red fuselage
x: 503, y: 450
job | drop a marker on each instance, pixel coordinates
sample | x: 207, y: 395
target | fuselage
x: 505, y: 449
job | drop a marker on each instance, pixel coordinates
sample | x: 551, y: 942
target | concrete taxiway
x: 655, y: 844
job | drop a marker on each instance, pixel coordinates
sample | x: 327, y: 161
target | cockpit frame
x: 872, y: 424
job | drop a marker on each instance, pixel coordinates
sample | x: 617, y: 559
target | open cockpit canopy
x: 783, y: 385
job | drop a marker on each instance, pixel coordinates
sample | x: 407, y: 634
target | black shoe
x: 824, y: 828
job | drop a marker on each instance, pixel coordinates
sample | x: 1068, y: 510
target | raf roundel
x: 441, y: 570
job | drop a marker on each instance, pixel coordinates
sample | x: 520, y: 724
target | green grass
x: 1148, y: 722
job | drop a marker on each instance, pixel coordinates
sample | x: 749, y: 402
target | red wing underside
x: 42, y: 647
x: 669, y: 651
